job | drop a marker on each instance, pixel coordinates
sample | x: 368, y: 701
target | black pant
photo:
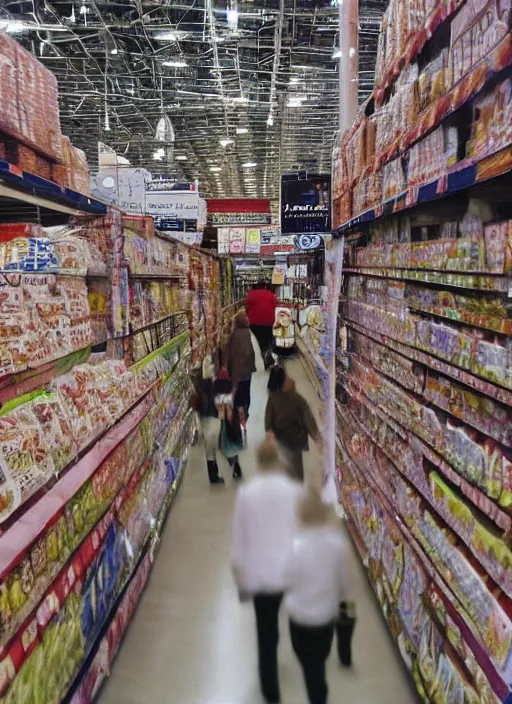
x: 263, y: 333
x: 266, y: 607
x: 312, y: 646
x: 243, y: 396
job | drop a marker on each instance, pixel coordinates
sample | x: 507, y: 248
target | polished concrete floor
x: 192, y: 642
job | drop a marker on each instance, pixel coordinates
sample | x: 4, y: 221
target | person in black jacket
x: 210, y: 426
x: 209, y: 400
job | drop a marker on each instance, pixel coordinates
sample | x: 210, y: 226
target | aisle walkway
x: 191, y: 642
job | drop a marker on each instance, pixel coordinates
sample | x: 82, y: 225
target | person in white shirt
x: 316, y: 584
x: 264, y: 526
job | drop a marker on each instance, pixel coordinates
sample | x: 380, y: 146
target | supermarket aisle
x: 191, y: 642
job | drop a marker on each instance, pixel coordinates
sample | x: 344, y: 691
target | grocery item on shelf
x: 424, y: 364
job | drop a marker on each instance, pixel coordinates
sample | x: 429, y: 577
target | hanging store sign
x: 307, y: 243
x: 305, y: 204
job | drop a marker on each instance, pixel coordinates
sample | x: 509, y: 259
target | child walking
x: 290, y: 419
x: 316, y: 583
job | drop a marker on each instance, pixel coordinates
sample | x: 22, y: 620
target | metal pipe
x: 349, y: 61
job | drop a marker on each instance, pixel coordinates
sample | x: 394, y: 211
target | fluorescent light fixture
x: 295, y: 79
x: 337, y: 54
x: 175, y: 64
x: 181, y: 157
x: 167, y: 37
x: 242, y: 130
x: 215, y: 169
x: 218, y: 40
x: 114, y: 51
x: 232, y: 18
x: 157, y: 156
x: 270, y: 121
x: 249, y: 164
x: 14, y: 26
x: 241, y: 99
x: 295, y: 101
x: 226, y: 142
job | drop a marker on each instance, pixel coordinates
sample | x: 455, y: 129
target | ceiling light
x: 218, y: 40
x: 175, y: 64
x: 337, y: 54
x: 114, y: 51
x: 14, y: 26
x: 249, y: 164
x: 351, y: 52
x: 84, y: 10
x: 270, y: 121
x: 295, y: 101
x: 241, y: 99
x: 226, y: 142
x: 295, y: 80
x: 157, y: 156
x: 167, y: 37
x: 181, y: 157
x: 215, y: 169
x: 232, y: 18
x: 164, y: 130
x: 242, y: 130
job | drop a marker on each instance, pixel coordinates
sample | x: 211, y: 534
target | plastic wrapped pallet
x: 29, y: 109
x: 9, y: 112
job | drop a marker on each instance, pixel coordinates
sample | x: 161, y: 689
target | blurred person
x: 316, y: 583
x: 264, y: 526
x: 241, y: 364
x: 289, y: 418
x: 260, y: 306
x: 231, y: 439
x: 210, y: 403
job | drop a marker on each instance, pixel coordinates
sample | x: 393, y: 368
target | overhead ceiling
x: 258, y: 72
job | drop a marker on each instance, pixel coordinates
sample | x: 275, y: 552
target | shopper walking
x: 316, y: 583
x: 241, y: 364
x: 212, y: 401
x: 264, y: 525
x: 260, y: 306
x: 290, y: 419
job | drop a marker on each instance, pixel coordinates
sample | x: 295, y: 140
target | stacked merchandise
x: 424, y: 372
x: 413, y: 146
x: 91, y: 451
x: 30, y: 133
x: 170, y: 285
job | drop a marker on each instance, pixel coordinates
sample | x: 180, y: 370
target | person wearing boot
x: 264, y: 525
x: 230, y: 440
x: 316, y: 583
x: 205, y: 406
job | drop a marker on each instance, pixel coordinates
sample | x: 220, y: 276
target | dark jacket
x: 241, y: 362
x: 289, y: 417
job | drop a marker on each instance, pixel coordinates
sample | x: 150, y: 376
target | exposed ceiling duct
x: 245, y: 82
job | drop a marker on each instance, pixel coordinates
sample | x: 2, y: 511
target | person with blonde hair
x: 316, y: 583
x: 264, y: 526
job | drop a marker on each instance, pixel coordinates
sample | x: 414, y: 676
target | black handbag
x: 344, y: 631
x: 268, y: 359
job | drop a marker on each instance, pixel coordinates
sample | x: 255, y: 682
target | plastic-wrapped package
x: 29, y: 109
x: 9, y: 111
